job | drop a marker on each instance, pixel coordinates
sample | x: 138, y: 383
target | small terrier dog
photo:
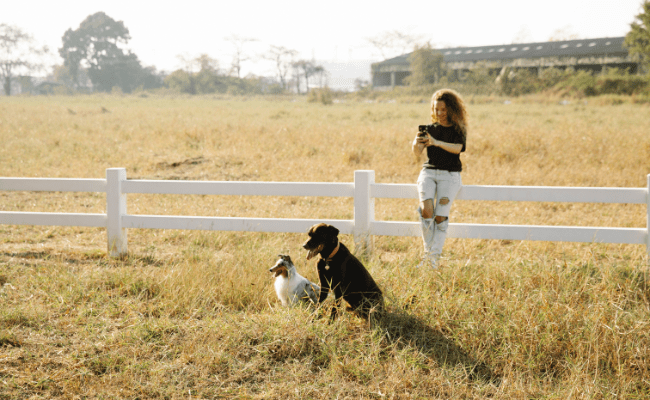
x: 290, y: 286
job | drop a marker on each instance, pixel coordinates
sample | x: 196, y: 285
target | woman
x: 439, y: 179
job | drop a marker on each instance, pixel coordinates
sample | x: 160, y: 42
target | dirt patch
x: 176, y: 164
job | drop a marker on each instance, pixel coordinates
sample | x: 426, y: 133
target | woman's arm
x: 454, y: 148
x: 419, y: 144
x: 422, y: 142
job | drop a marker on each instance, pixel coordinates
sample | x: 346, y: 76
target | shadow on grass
x: 88, y: 256
x: 40, y: 255
x: 405, y: 330
x: 68, y: 257
x: 133, y: 260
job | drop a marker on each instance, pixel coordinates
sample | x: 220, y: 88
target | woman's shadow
x: 405, y: 330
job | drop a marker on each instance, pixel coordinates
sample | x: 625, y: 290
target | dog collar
x: 328, y: 259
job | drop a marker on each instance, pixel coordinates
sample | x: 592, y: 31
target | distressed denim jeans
x: 436, y: 185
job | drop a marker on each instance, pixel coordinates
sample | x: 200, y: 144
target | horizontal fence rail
x: 240, y: 188
x: 231, y: 224
x: 364, y: 190
x: 53, y: 219
x: 523, y: 193
x: 53, y: 184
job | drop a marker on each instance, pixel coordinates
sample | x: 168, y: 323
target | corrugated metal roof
x: 568, y: 48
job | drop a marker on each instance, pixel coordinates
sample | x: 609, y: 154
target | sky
x: 336, y: 32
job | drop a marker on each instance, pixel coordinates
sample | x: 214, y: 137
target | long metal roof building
x: 592, y: 54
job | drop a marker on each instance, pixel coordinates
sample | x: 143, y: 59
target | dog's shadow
x: 404, y: 330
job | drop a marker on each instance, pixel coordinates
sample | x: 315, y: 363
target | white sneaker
x: 428, y: 263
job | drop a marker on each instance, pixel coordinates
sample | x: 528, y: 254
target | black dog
x: 341, y: 271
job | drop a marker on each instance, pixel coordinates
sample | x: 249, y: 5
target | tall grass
x: 193, y: 314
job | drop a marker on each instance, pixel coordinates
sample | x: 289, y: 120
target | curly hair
x: 456, y: 111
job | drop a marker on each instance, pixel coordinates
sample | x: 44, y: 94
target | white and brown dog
x: 290, y: 286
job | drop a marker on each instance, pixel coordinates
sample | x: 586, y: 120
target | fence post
x: 115, y: 209
x: 364, y: 211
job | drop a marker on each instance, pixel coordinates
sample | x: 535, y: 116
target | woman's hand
x: 422, y: 141
x: 432, y: 142
x: 419, y: 144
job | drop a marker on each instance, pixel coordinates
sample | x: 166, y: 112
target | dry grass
x: 194, y: 315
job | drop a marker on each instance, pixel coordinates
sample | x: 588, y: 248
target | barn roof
x: 567, y: 48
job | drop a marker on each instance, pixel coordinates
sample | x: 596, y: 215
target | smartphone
x: 423, y: 130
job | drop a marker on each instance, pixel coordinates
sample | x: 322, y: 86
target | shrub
x: 550, y: 77
x: 516, y: 83
x: 581, y: 83
x: 320, y: 95
x: 616, y: 81
x: 180, y: 81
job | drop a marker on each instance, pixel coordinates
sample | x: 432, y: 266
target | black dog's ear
x: 285, y: 257
x: 314, y: 228
x: 332, y: 231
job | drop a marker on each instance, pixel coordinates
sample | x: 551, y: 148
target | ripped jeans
x: 441, y: 187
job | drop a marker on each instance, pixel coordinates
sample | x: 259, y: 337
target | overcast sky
x: 331, y: 31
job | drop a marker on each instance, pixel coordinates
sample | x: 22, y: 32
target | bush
x: 206, y: 82
x: 518, y: 82
x: 616, y: 81
x: 180, y: 81
x: 580, y: 83
x: 550, y: 77
x: 321, y: 95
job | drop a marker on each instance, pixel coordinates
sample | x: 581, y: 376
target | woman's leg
x: 448, y: 186
x: 427, y: 192
x: 427, y: 224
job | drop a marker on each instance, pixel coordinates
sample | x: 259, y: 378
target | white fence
x: 364, y: 190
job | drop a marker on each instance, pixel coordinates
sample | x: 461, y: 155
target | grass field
x: 194, y: 314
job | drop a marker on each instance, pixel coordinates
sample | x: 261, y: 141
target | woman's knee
x: 426, y: 209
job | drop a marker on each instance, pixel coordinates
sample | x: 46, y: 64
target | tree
x: 207, y: 63
x: 62, y: 74
x: 18, y: 53
x: 96, y: 44
x: 426, y: 65
x: 181, y: 81
x: 117, y: 70
x: 638, y: 39
x: 238, y: 56
x: 562, y: 34
x: 282, y: 57
x: 308, y: 69
x: 321, y: 73
x: 523, y: 36
x: 207, y: 80
x: 73, y: 53
x: 395, y: 43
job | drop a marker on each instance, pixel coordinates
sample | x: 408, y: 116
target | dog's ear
x: 314, y: 228
x: 332, y: 231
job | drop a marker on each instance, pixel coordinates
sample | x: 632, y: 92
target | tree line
x: 95, y: 58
